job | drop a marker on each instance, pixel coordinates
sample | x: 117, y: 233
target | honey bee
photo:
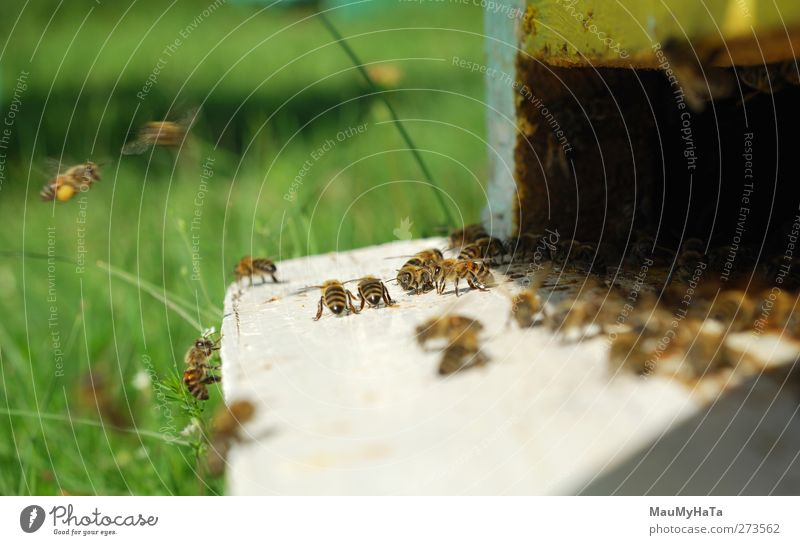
x: 763, y: 78
x: 335, y: 298
x: 197, y: 375
x: 450, y: 327
x: 63, y: 186
x: 699, y: 81
x: 372, y: 291
x: 415, y: 278
x: 161, y: 133
x: 467, y: 235
x: 735, y: 309
x: 527, y: 306
x: 459, y: 357
x: 486, y: 248
x: 417, y: 273
x: 475, y: 273
x: 633, y: 350
x: 249, y: 267
x: 526, y: 245
x: 588, y: 313
x: 690, y: 257
x: 226, y: 430
x: 780, y: 311
x: 699, y: 351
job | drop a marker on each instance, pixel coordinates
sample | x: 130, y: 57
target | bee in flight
x: 372, y: 291
x: 197, y: 375
x: 226, y: 431
x: 161, y: 133
x: 249, y: 267
x: 335, y: 297
x: 64, y: 185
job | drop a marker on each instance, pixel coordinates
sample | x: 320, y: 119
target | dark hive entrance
x: 609, y: 156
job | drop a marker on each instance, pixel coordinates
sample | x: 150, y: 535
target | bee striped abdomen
x: 335, y: 298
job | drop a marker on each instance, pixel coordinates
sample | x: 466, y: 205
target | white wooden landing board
x: 351, y: 405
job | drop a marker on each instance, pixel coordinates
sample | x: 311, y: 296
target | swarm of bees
x: 64, y: 185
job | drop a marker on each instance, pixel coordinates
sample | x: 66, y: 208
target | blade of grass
x: 152, y: 290
x: 437, y: 189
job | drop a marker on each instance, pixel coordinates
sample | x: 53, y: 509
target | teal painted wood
x: 501, y: 51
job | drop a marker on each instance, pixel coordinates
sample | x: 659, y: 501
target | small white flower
x: 141, y: 381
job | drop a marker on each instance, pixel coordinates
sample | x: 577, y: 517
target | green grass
x: 58, y: 433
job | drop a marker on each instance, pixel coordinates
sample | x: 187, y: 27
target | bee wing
x: 189, y: 118
x: 305, y: 290
x: 137, y: 146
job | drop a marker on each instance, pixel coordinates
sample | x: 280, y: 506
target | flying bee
x: 372, y: 291
x: 467, y: 235
x: 249, y: 267
x: 336, y: 298
x: 65, y: 185
x: 415, y: 278
x: 450, y: 327
x: 459, y: 357
x: 227, y: 430
x: 475, y: 273
x: 161, y: 133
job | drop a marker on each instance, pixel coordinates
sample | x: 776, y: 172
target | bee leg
x: 386, y: 297
x: 363, y: 301
x: 273, y: 278
x: 456, y: 287
x: 319, y: 309
x: 251, y: 280
x: 350, y: 305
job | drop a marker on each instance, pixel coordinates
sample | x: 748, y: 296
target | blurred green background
x: 82, y: 350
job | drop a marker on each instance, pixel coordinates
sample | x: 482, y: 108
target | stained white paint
x: 351, y: 405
